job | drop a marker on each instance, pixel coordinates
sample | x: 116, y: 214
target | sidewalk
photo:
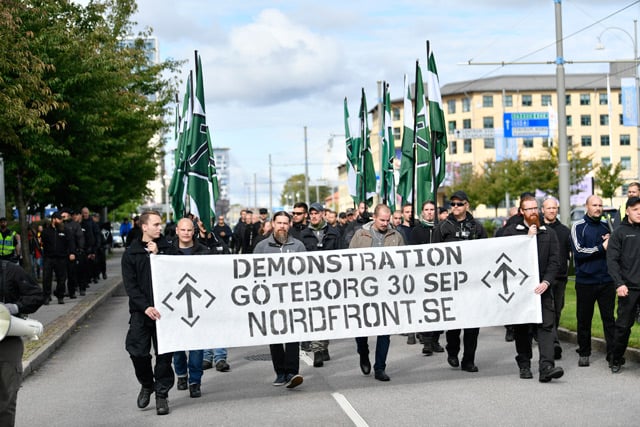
x: 61, y: 320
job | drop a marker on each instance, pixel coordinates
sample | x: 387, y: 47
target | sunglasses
x: 298, y: 213
x: 457, y: 203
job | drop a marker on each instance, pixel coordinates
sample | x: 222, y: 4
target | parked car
x: 117, y: 239
x: 607, y: 211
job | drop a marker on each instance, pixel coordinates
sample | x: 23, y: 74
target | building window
x: 487, y: 122
x: 451, y: 126
x: 466, y: 105
x: 625, y: 139
x: 585, y: 140
x: 604, y: 140
x: 527, y: 142
x: 453, y: 147
x: 467, y: 146
x: 545, y: 100
x: 489, y: 143
x: 451, y: 106
x: 585, y: 120
x: 396, y: 113
x: 585, y: 99
x: 508, y: 100
x: 625, y: 162
x: 547, y: 142
x: 568, y: 100
x: 466, y: 124
x: 606, y: 161
x: 603, y: 99
x: 570, y: 140
x: 487, y: 101
x: 621, y: 121
x: 569, y: 120
x: 620, y: 103
x: 396, y: 133
x: 604, y: 119
x: 527, y: 101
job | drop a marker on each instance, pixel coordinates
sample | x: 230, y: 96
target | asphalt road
x: 89, y: 381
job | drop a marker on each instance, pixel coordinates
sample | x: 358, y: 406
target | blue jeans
x: 194, y: 364
x: 214, y: 355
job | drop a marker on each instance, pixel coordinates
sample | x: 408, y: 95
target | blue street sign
x: 526, y: 125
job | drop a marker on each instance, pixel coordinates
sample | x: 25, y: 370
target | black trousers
x: 624, y: 322
x: 72, y: 277
x: 559, y: 287
x: 59, y: 267
x: 470, y: 341
x: 11, y: 349
x: 545, y: 333
x: 285, y: 358
x: 586, y: 298
x: 140, y: 338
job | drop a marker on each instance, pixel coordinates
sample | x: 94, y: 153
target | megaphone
x: 18, y: 327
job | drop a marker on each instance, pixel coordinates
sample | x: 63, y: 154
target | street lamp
x: 634, y: 41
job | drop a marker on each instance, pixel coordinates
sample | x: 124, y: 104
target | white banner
x: 209, y: 301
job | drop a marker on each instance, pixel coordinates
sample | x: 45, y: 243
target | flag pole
x: 432, y: 151
x: 414, y: 175
x: 383, y: 113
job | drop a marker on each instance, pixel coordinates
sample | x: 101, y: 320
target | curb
x: 597, y: 344
x: 57, y: 332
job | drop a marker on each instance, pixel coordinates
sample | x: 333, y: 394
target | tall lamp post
x: 634, y: 41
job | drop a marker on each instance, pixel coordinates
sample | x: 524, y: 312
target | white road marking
x: 349, y: 410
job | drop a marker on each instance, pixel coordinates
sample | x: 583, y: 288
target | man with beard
x: 590, y: 239
x: 285, y: 357
x: 76, y: 241
x: 460, y: 225
x: 376, y: 234
x: 136, y: 276
x: 319, y: 236
x: 548, y: 267
x: 56, y: 250
x: 238, y: 233
x: 550, y: 215
x: 420, y: 234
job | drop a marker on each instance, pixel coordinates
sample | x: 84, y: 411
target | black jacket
x: 19, y: 288
x: 623, y: 253
x: 55, y: 242
x: 548, y: 265
x: 421, y: 234
x: 451, y: 230
x: 330, y: 238
x: 564, y: 245
x: 136, y: 273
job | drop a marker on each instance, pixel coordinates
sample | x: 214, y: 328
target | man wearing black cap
x: 460, y: 225
x: 56, y: 248
x: 319, y: 236
x: 264, y: 215
x: 76, y: 241
x: 622, y: 259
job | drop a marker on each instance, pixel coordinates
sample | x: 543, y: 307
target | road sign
x: 476, y: 133
x: 526, y: 125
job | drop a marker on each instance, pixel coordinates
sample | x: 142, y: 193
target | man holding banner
x: 376, y: 234
x: 548, y: 267
x: 285, y: 357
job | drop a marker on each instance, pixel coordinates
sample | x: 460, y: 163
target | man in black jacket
x: 56, y: 248
x: 20, y: 295
x: 622, y: 259
x: 136, y: 275
x: 548, y: 267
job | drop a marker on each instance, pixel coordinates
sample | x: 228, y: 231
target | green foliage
x: 608, y: 178
x: 293, y: 191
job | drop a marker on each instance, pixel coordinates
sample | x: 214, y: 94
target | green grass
x: 568, y: 319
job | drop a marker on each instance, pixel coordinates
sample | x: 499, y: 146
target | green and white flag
x: 178, y: 186
x: 202, y: 179
x: 437, y: 125
x: 407, y: 166
x: 423, y: 146
x: 387, y: 179
x: 366, y: 174
x: 353, y: 147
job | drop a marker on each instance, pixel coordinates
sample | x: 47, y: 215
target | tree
x: 78, y: 108
x: 608, y: 179
x: 293, y: 191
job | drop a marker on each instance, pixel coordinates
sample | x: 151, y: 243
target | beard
x: 281, y: 236
x: 533, y: 219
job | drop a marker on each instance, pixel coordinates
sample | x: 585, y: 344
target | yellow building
x: 474, y: 112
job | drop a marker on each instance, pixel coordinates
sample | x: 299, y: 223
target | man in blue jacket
x: 589, y: 241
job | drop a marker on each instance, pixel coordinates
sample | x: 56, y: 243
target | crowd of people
x: 604, y: 252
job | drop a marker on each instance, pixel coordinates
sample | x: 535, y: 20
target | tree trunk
x: 24, y: 227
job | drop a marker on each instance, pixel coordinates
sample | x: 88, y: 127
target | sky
x: 273, y: 67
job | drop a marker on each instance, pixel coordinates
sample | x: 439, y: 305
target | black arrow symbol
x: 188, y: 290
x: 503, y: 256
x: 485, y: 281
x: 164, y: 301
x: 504, y: 269
x: 525, y: 276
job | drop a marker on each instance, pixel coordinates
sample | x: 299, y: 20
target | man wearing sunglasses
x: 298, y: 219
x: 460, y: 225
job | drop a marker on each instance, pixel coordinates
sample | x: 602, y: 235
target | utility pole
x: 3, y: 205
x: 306, y: 169
x: 270, y: 188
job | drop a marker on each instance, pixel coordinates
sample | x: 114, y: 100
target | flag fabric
x: 353, y: 147
x: 423, y: 146
x: 407, y: 167
x: 366, y: 174
x: 178, y: 186
x: 202, y: 180
x: 437, y: 125
x: 387, y: 179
